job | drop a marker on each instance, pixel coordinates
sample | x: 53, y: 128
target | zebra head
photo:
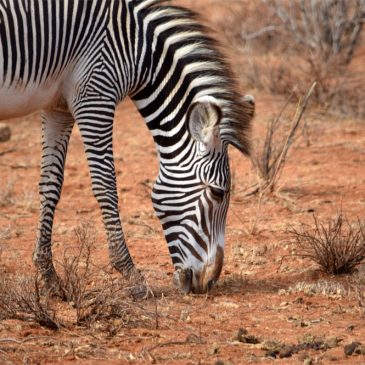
x: 191, y: 199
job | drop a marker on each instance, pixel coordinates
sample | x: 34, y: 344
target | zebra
x: 75, y: 60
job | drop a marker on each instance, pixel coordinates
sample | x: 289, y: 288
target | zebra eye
x: 217, y: 193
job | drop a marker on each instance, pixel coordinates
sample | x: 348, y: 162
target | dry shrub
x: 94, y: 297
x: 291, y: 43
x: 21, y: 298
x: 338, y: 246
x: 94, y: 293
x: 77, y: 269
x: 326, y: 33
x: 270, y: 158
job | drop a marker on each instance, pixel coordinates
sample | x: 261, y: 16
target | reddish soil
x: 324, y: 173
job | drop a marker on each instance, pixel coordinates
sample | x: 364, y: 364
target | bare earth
x: 263, y: 287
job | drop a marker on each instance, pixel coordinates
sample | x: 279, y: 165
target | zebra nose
x: 210, y: 285
x: 183, y: 279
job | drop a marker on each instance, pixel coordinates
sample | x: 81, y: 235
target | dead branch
x: 270, y: 161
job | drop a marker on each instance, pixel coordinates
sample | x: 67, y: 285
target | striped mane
x: 207, y: 67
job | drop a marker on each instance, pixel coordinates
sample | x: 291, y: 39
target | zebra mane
x: 237, y: 111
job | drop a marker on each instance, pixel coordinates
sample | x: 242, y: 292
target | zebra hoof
x: 137, y: 286
x: 141, y: 292
x: 54, y: 287
x: 135, y: 277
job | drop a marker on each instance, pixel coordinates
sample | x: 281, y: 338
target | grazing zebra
x: 76, y: 60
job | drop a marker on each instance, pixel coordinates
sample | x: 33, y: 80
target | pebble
x: 331, y: 342
x: 286, y: 351
x: 244, y: 337
x: 351, y: 348
x: 214, y: 349
x: 5, y: 132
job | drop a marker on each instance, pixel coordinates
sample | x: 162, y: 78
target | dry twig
x: 271, y: 160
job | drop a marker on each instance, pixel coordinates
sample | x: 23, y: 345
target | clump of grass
x: 21, y: 298
x: 77, y: 268
x: 95, y: 299
x: 321, y: 287
x: 338, y: 246
x: 79, y: 275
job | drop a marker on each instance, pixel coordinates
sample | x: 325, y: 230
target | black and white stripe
x: 76, y: 60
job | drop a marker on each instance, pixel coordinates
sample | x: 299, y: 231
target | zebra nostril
x: 210, y: 285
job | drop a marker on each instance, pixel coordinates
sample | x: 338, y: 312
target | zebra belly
x: 16, y: 102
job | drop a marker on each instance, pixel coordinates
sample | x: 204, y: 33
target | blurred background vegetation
x: 280, y: 46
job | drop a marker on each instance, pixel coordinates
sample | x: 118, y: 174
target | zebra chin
x: 202, y: 280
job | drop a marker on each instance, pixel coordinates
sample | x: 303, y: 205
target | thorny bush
x: 338, y: 246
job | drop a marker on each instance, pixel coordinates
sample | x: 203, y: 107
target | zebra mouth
x: 183, y: 279
x: 199, y: 281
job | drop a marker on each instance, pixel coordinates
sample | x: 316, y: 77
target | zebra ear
x: 203, y: 120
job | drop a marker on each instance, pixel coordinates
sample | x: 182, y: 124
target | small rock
x: 284, y: 304
x: 244, y: 337
x: 286, y: 351
x: 331, y: 342
x: 5, y: 132
x: 214, y: 349
x: 302, y: 356
x: 272, y: 345
x: 193, y: 338
x: 298, y: 300
x: 271, y: 354
x: 241, y: 332
x: 252, y: 339
x: 360, y: 350
x: 308, y: 361
x: 351, y: 348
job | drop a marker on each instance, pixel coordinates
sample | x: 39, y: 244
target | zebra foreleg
x: 97, y: 138
x: 56, y: 131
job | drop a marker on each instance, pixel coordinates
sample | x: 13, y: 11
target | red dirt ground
x: 256, y: 291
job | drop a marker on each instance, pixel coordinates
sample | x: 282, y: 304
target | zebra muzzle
x: 200, y: 281
x: 183, y: 279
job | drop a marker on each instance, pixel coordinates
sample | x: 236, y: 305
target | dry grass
x: 91, y: 290
x: 327, y: 33
x: 270, y: 158
x: 320, y: 38
x: 21, y: 298
x: 338, y: 246
x: 322, y: 287
x: 94, y: 298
